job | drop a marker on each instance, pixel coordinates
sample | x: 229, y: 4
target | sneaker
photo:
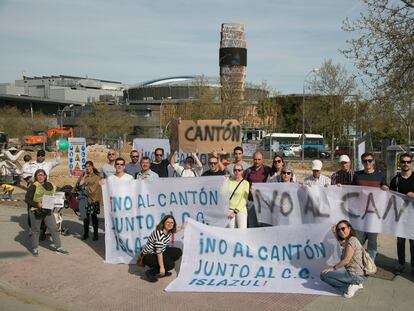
x: 150, y: 276
x: 352, y: 289
x: 35, y: 252
x: 61, y: 251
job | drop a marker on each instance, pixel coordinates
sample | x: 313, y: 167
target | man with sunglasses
x: 214, y: 167
x: 369, y: 177
x: 238, y: 159
x: 40, y: 163
x: 160, y: 165
x: 133, y: 167
x: 403, y: 183
x: 108, y: 169
x: 120, y: 173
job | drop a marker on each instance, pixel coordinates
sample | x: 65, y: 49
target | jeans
x: 239, y: 221
x: 170, y: 256
x: 372, y: 242
x: 251, y: 216
x: 341, y: 279
x: 401, y: 251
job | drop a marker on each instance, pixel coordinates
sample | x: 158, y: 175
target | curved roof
x: 178, y: 80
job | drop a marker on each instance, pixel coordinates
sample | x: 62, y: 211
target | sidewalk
x: 81, y: 281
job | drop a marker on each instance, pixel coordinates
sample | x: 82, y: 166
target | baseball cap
x: 41, y: 153
x: 316, y: 165
x: 344, y: 158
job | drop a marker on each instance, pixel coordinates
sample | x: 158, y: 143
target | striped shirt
x: 343, y: 178
x: 157, y: 242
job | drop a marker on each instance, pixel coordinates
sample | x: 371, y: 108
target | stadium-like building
x: 157, y: 102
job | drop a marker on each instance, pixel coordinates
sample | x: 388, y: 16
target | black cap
x: 41, y: 153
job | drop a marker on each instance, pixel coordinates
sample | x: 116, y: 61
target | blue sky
x: 133, y: 41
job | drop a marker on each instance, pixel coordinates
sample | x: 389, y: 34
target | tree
x: 384, y: 54
x: 334, y: 85
x: 104, y: 121
x: 19, y: 124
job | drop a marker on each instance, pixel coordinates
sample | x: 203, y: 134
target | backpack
x: 368, y: 263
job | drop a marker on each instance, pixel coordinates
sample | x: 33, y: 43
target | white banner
x: 134, y: 208
x: 272, y: 259
x: 367, y: 208
x: 147, y: 146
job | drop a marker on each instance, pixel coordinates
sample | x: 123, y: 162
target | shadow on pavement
x: 4, y: 255
x: 386, y: 267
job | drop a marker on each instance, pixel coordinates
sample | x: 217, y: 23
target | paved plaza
x: 82, y: 281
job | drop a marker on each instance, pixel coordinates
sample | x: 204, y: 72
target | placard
x: 77, y: 155
x: 208, y: 135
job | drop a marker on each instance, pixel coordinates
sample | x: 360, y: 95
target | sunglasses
x: 119, y: 164
x: 158, y: 154
x: 134, y: 157
x: 405, y: 162
x: 342, y: 229
x: 41, y: 156
x: 237, y: 170
x: 277, y: 161
x: 286, y: 173
x: 212, y: 163
x: 111, y: 154
x: 367, y: 161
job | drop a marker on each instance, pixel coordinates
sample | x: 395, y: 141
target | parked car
x: 296, y: 148
x: 314, y: 153
x: 287, y: 152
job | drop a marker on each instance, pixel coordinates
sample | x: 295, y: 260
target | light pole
x: 303, y: 111
x: 66, y: 108
x: 164, y: 132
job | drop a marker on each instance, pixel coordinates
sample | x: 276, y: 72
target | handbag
x: 368, y: 263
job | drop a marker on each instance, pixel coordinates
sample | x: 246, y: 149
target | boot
x: 85, y: 229
x: 95, y: 227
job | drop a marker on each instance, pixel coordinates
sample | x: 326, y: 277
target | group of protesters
x: 347, y: 275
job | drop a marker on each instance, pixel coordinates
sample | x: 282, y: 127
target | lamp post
x: 66, y: 108
x: 164, y: 132
x: 303, y: 111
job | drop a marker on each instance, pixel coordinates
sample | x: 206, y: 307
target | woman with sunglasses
x: 38, y: 212
x: 347, y: 275
x: 90, y: 196
x: 156, y: 255
x: 275, y: 174
x: 287, y: 175
x: 239, y: 193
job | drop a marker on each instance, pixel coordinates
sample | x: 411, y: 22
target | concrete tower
x: 233, y: 62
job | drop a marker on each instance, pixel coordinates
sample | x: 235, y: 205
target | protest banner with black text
x: 134, y: 208
x: 209, y: 135
x: 368, y: 209
x: 273, y: 259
